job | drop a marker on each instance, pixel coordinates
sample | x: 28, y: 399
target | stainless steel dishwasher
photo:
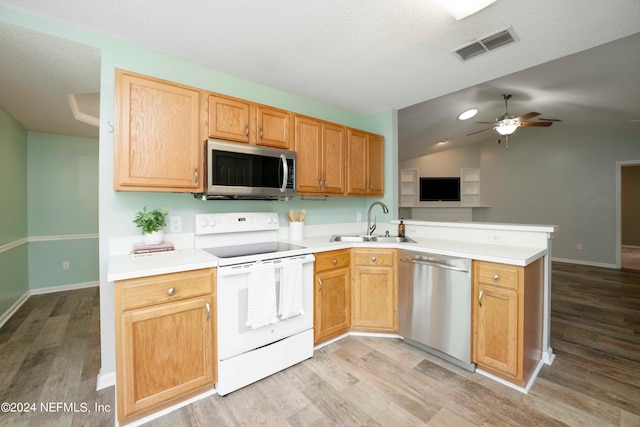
x: 434, y: 305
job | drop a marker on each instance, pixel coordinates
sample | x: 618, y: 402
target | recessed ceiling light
x: 463, y: 8
x: 465, y: 115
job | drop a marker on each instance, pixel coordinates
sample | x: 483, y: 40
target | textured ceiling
x: 359, y: 55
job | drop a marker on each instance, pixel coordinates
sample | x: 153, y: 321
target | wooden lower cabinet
x: 332, y: 301
x: 165, y: 350
x: 507, y: 319
x: 375, y: 291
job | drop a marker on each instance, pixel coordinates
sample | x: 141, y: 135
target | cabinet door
x: 496, y: 329
x: 308, y: 139
x: 374, y: 299
x: 166, y: 354
x: 229, y: 118
x: 157, y: 145
x: 273, y: 127
x: 334, y: 144
x: 375, y: 165
x: 332, y: 304
x: 357, y: 163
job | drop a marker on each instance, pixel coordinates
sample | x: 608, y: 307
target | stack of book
x: 142, y: 249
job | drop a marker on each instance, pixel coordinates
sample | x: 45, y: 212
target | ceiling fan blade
x: 487, y: 123
x: 528, y: 116
x: 478, y: 131
x: 536, y: 124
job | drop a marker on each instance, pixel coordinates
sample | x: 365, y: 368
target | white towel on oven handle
x: 290, y: 301
x: 261, y: 296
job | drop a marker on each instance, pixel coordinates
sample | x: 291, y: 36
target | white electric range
x: 264, y: 296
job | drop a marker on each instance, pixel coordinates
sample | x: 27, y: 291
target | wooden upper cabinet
x: 308, y: 137
x: 229, y: 118
x: 320, y: 149
x: 273, y: 127
x: 334, y: 152
x: 243, y: 121
x: 375, y: 164
x: 157, y: 143
x: 365, y: 168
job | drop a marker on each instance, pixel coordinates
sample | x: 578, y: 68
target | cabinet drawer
x: 147, y: 291
x: 498, y: 274
x: 332, y: 259
x: 374, y: 257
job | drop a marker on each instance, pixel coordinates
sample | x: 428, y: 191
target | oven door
x: 234, y: 337
x: 242, y: 170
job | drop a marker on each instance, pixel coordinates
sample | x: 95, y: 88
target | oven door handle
x: 285, y: 175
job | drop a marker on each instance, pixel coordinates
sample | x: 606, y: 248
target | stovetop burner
x: 252, y: 249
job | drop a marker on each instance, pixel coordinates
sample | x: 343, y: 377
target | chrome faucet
x: 372, y: 228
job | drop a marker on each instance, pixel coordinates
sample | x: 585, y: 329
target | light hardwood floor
x: 49, y: 351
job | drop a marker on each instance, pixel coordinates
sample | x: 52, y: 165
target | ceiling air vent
x: 486, y: 43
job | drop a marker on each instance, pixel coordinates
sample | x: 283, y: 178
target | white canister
x: 296, y: 230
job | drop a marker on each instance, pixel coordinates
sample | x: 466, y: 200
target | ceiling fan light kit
x: 507, y: 126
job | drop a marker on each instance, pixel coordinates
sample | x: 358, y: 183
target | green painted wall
x: 62, y: 201
x: 46, y: 258
x: 13, y: 211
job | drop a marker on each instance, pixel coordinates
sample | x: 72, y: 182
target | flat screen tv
x: 440, y: 189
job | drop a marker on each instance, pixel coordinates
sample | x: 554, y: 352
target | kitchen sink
x: 349, y: 238
x: 396, y: 239
x: 372, y: 239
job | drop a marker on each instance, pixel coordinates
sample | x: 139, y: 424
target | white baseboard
x: 582, y: 262
x: 14, y: 307
x: 62, y: 288
x: 105, y: 380
x: 41, y: 291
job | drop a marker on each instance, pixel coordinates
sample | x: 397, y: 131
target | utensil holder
x: 296, y: 230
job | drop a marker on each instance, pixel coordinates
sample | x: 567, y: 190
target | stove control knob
x: 203, y: 222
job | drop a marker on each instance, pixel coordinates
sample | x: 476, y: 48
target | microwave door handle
x: 285, y: 175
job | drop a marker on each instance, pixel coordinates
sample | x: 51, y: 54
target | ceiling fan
x: 507, y: 123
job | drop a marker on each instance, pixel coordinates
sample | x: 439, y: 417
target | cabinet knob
x: 319, y: 287
x: 373, y: 259
x: 171, y: 291
x: 260, y: 133
x: 246, y: 130
x: 335, y: 262
x: 480, y: 299
x: 496, y: 277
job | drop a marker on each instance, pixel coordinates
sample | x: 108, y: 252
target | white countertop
x: 493, y: 252
x: 123, y: 267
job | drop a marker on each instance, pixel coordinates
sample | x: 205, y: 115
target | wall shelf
x: 409, y: 188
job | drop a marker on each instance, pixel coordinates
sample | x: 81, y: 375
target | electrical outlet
x: 175, y: 224
x: 495, y: 237
x: 66, y: 265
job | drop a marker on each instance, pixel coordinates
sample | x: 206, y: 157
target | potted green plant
x: 151, y: 223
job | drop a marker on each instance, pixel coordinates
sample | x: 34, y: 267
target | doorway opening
x: 628, y: 218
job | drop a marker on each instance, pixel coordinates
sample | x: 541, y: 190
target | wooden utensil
x: 301, y: 215
x: 291, y: 215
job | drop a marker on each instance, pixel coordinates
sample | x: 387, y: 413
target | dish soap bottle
x: 401, y: 229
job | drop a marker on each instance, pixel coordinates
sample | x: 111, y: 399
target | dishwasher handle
x: 435, y: 264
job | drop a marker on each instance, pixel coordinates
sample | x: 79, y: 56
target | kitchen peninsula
x: 519, y: 254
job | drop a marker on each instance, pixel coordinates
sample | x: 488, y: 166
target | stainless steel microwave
x: 243, y: 171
